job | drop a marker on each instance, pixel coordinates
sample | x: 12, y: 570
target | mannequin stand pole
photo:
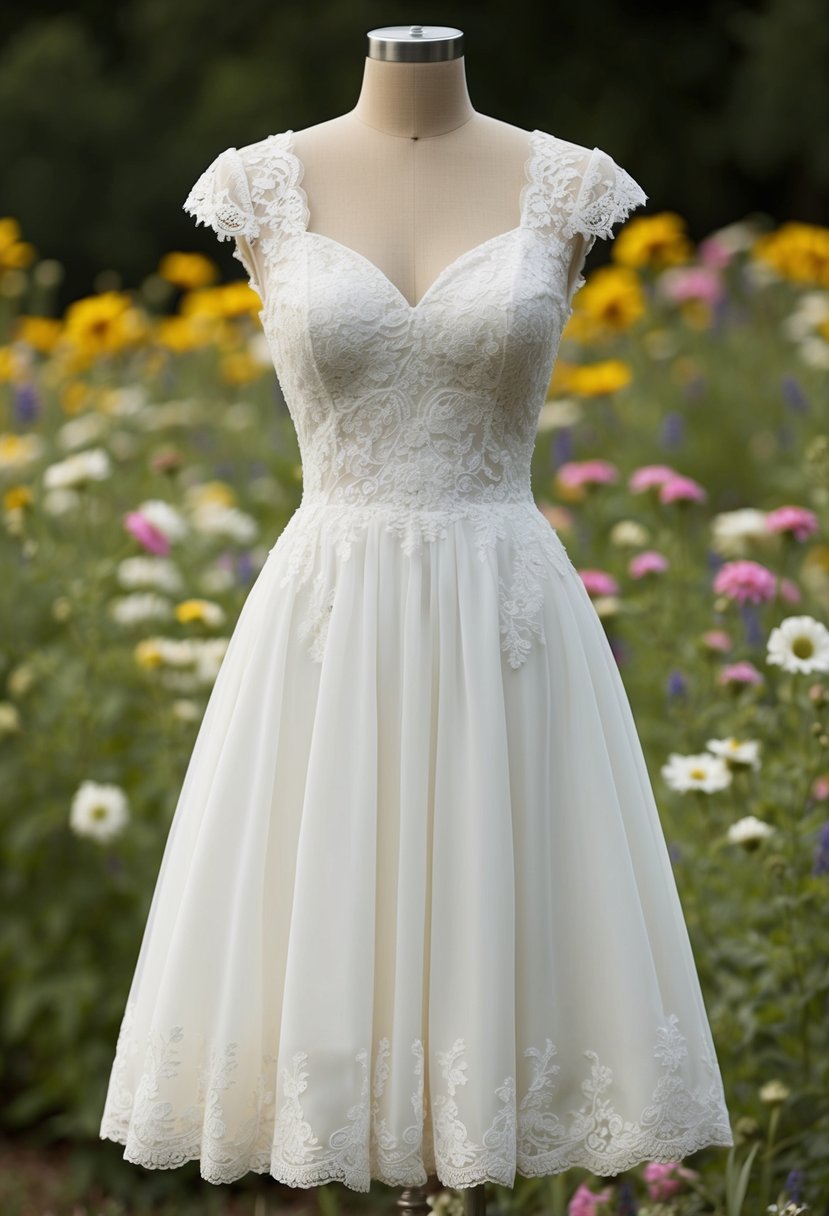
x: 413, y: 1199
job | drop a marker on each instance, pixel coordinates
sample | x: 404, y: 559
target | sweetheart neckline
x: 412, y: 309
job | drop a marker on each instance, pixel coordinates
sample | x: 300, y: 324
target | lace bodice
x: 422, y: 414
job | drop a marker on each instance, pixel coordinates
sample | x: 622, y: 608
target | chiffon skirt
x: 416, y: 913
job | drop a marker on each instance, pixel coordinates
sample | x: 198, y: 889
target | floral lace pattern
x: 532, y: 1132
x: 419, y: 415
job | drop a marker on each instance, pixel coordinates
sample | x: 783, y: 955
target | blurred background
x: 110, y: 111
x: 148, y: 464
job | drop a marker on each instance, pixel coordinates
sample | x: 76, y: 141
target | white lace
x: 530, y: 1134
x: 416, y: 416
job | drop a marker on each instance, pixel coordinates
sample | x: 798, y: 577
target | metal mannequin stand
x: 423, y: 44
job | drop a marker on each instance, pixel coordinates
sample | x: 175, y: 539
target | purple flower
x: 562, y: 447
x: 821, y: 858
x: 794, y: 1185
x: 793, y: 395
x: 673, y: 430
x: 677, y: 685
x: 674, y: 852
x: 627, y: 1200
x: 26, y: 402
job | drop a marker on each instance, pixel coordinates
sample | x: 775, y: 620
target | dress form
x: 412, y: 177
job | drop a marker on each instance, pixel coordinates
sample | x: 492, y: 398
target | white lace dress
x: 416, y: 913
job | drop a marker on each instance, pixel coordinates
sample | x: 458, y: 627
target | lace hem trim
x: 538, y: 551
x: 531, y: 1135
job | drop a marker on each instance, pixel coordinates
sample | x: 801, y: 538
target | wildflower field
x: 147, y: 466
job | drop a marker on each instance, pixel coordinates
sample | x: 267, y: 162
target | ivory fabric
x: 416, y: 913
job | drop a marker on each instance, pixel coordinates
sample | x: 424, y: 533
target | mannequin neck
x: 414, y: 100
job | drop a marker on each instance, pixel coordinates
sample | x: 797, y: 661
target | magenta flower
x: 789, y: 591
x: 745, y: 580
x: 681, y: 489
x: 649, y: 475
x: 714, y: 253
x: 153, y: 540
x: 692, y: 283
x: 664, y: 1180
x: 599, y: 582
x: 798, y: 521
x: 586, y: 1202
x: 740, y: 673
x: 588, y: 472
x: 717, y: 639
x: 649, y: 562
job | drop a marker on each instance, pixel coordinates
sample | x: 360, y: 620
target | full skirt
x: 416, y: 913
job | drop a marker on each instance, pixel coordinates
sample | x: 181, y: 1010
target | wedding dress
x: 416, y: 913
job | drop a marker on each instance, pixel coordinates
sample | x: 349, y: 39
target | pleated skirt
x: 416, y: 913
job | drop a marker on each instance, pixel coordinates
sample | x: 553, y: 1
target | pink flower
x: 717, y: 639
x: 649, y: 562
x: 714, y: 253
x: 799, y: 521
x: 587, y: 472
x: 649, y: 475
x: 820, y: 788
x: 789, y: 591
x: 586, y: 1202
x: 146, y: 533
x: 666, y: 1180
x: 599, y: 582
x: 745, y: 580
x: 740, y: 673
x: 692, y: 283
x: 681, y: 489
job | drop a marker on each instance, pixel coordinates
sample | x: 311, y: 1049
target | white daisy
x: 86, y: 428
x: 142, y: 606
x: 91, y: 465
x: 732, y: 532
x: 799, y: 644
x: 60, y: 502
x: 738, y: 753
x: 749, y: 831
x: 170, y: 522
x: 99, y: 811
x: 149, y: 571
x: 215, y: 519
x: 700, y: 772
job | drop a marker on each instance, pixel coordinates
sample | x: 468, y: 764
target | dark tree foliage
x: 109, y: 112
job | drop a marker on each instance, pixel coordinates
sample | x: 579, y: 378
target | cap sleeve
x: 607, y: 194
x: 221, y: 199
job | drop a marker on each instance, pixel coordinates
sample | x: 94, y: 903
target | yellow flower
x: 188, y: 270
x: 75, y: 397
x: 148, y: 653
x: 14, y: 253
x: 611, y: 299
x: 199, y: 610
x: 41, y: 333
x: 796, y: 251
x: 16, y: 451
x: 180, y: 334
x: 104, y: 324
x: 211, y: 493
x: 17, y: 496
x: 239, y: 368
x: 11, y: 363
x: 653, y: 240
x: 229, y: 300
x: 591, y: 379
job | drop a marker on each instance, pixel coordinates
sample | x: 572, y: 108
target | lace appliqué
x: 531, y: 1134
x: 537, y: 547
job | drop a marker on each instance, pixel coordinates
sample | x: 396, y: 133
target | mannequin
x: 412, y: 177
